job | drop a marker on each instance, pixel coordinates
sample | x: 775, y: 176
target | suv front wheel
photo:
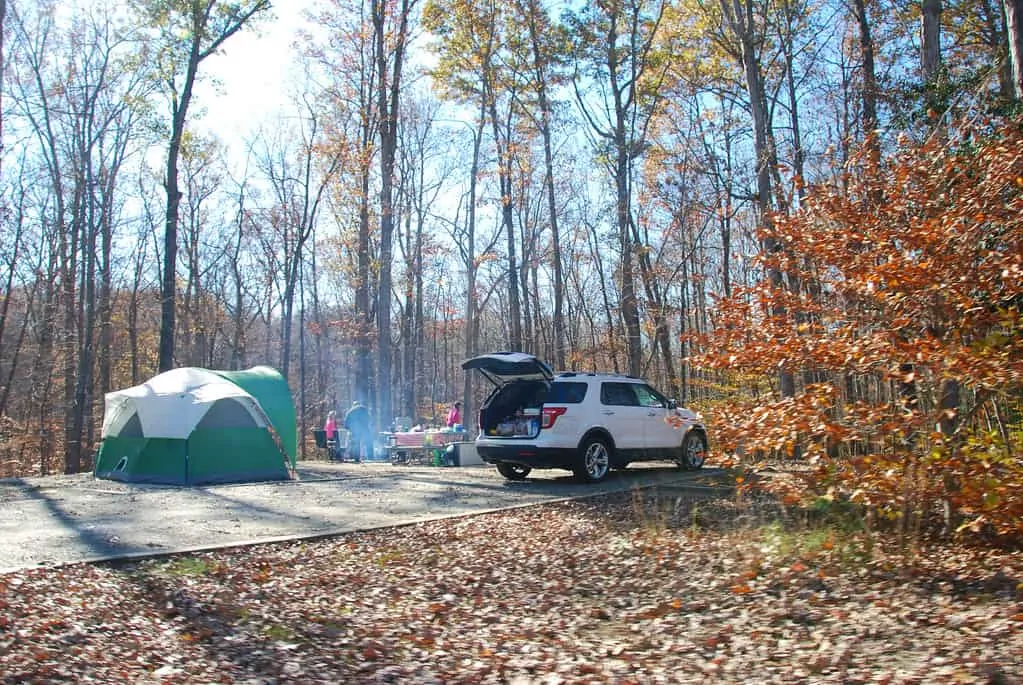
x: 693, y: 451
x: 594, y: 461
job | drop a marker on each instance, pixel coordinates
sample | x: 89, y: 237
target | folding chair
x: 320, y: 436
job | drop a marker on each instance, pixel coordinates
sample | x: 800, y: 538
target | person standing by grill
x: 360, y: 431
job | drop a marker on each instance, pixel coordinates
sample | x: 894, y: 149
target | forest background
x: 804, y: 218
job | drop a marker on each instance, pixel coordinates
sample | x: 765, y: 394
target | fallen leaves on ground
x: 599, y: 591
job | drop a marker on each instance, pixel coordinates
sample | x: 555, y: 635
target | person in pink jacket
x: 330, y: 428
x: 454, y: 416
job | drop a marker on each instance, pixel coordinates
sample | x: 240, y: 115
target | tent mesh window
x: 132, y: 428
x: 227, y: 413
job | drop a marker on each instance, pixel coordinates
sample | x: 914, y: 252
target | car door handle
x: 652, y: 413
x: 607, y: 412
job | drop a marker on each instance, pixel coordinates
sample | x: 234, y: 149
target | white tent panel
x: 171, y: 404
x: 117, y: 412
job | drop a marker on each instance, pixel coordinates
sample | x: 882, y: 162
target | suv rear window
x: 566, y: 392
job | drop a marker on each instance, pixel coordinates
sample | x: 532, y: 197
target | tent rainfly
x: 192, y: 426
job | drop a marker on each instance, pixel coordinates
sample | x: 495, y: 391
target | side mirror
x: 672, y: 404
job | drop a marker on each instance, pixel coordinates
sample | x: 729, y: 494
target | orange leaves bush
x: 900, y: 315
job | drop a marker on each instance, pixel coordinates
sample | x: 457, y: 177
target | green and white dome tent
x: 192, y: 426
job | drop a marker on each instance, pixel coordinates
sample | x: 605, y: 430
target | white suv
x: 587, y: 423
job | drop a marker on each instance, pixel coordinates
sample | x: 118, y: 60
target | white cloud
x: 248, y: 82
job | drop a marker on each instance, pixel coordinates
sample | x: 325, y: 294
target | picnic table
x: 422, y: 447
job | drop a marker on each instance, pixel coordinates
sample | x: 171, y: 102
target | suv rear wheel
x: 693, y: 451
x: 594, y: 461
x: 513, y: 471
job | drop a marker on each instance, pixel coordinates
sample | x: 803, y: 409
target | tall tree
x: 299, y: 166
x: 869, y: 77
x: 427, y: 161
x: 349, y: 74
x: 542, y: 51
x: 3, y: 72
x: 188, y: 32
x: 391, y: 35
x: 930, y: 40
x: 744, y: 37
x: 197, y: 235
x: 617, y: 51
x: 78, y: 92
x: 467, y: 55
x: 1014, y: 34
x: 472, y: 69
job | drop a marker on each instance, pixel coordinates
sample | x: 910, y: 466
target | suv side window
x: 648, y: 397
x: 566, y: 392
x: 618, y: 394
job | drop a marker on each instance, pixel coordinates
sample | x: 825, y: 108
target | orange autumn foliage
x: 901, y: 316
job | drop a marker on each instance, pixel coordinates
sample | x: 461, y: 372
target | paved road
x: 68, y: 519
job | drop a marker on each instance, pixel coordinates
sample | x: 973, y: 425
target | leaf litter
x: 615, y: 589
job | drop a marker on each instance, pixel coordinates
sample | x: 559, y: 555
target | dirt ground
x: 66, y: 519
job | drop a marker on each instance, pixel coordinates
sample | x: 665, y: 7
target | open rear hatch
x: 521, y: 381
x: 504, y: 367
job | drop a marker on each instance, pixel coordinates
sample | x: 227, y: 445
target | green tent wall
x: 272, y: 392
x: 248, y: 435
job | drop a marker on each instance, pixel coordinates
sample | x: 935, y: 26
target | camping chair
x: 320, y: 436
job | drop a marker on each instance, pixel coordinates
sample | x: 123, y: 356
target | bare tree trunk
x: 411, y: 328
x: 363, y: 324
x: 302, y: 418
x: 389, y: 85
x: 15, y: 244
x: 321, y: 385
x: 540, y: 68
x: 503, y: 146
x: 202, y: 43
x: 41, y: 379
x: 869, y: 83
x: 238, y: 313
x: 930, y: 39
x: 3, y: 80
x: 629, y: 303
x: 798, y: 154
x: 168, y: 288
x: 471, y: 297
x: 611, y: 348
x: 139, y: 258
x: 86, y: 326
x: 68, y: 341
x: 739, y: 16
x: 683, y: 330
x: 1014, y: 34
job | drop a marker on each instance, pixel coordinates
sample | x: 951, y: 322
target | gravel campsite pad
x: 63, y: 519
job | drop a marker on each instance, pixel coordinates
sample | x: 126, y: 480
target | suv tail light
x: 550, y: 415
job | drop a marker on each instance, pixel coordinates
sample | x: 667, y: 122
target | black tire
x: 594, y: 461
x: 513, y: 471
x: 693, y: 451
